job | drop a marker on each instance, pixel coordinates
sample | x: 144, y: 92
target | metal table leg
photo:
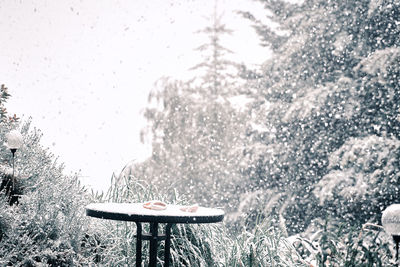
x: 167, y: 244
x: 153, y: 237
x: 138, y: 244
x: 153, y: 244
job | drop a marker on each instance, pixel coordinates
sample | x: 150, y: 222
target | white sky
x: 83, y: 69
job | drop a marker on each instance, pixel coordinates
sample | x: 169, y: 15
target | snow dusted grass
x: 263, y: 246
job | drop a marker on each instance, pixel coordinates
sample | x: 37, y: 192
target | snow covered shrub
x: 10, y: 187
x: 335, y: 245
x: 362, y: 180
x: 255, y: 206
x: 48, y: 224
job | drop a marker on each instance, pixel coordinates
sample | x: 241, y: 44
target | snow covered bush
x: 362, y: 180
x: 47, y: 225
x: 335, y: 244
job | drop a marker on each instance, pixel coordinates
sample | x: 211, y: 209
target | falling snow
x: 302, y: 152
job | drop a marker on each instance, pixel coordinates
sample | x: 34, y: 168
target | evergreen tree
x: 218, y: 74
x: 196, y: 130
x: 333, y: 78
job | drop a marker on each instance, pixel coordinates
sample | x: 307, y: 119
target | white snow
x: 239, y: 102
x: 138, y: 209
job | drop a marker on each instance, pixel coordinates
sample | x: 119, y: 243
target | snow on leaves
x: 363, y: 170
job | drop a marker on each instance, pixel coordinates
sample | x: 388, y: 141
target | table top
x: 135, y: 212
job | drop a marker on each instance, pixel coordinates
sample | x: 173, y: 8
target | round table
x: 135, y: 212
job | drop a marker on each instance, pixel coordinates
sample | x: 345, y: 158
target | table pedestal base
x: 153, y: 237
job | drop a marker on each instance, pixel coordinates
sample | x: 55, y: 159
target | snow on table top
x: 138, y: 209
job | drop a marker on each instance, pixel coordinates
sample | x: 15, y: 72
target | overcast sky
x: 83, y: 69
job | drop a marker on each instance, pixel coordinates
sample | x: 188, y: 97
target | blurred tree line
x: 318, y: 136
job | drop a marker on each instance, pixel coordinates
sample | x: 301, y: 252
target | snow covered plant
x: 48, y: 225
x: 362, y: 178
x: 333, y: 245
x: 261, y: 246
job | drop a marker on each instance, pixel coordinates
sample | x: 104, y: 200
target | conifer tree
x: 333, y: 80
x: 217, y: 73
x: 195, y: 128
